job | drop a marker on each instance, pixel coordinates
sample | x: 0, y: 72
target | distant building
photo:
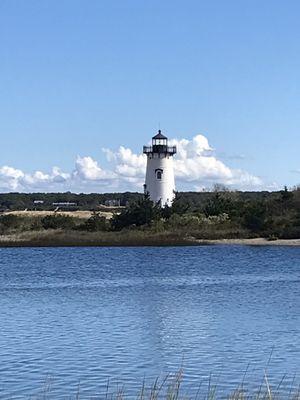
x: 36, y: 202
x: 112, y: 203
x: 64, y: 204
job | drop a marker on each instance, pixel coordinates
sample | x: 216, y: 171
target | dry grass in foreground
x: 170, y: 388
x: 70, y: 238
x: 74, y: 214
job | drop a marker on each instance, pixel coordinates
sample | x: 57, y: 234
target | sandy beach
x: 255, y: 242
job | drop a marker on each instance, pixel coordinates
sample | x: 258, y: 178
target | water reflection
x: 91, y: 314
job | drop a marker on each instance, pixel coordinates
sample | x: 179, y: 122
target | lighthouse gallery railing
x: 159, y: 149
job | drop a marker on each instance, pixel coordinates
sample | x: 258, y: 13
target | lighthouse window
x: 158, y: 175
x: 159, y: 142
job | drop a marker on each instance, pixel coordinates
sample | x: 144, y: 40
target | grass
x: 65, y: 238
x: 76, y: 238
x: 29, y: 231
x: 171, y: 388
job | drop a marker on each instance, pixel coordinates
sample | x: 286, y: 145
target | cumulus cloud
x: 129, y: 164
x: 196, y: 167
x: 10, y: 177
x: 196, y: 164
x: 88, y: 169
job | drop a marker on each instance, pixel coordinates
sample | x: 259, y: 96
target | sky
x: 85, y: 84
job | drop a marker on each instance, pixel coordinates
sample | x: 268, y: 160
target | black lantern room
x: 160, y: 145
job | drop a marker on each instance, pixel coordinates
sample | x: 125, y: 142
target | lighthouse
x: 160, y: 182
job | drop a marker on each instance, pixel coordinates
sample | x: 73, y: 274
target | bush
x: 95, y: 223
x: 218, y: 219
x: 58, y: 221
x: 158, y: 226
x: 272, y: 238
x: 184, y: 221
x: 291, y: 232
x: 9, y: 221
x: 35, y: 224
x: 140, y: 213
x: 255, y: 216
x: 219, y: 204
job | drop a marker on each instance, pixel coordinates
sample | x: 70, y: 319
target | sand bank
x: 255, y: 242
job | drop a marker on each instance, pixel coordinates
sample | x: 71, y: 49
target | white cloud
x: 188, y: 149
x: 129, y: 164
x: 196, y: 166
x: 88, y: 169
x: 9, y: 178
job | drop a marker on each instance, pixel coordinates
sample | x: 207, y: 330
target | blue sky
x: 79, y: 76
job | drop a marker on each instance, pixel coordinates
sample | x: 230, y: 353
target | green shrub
x: 272, y: 238
x: 255, y: 216
x: 194, y: 222
x: 291, y: 232
x: 95, y: 223
x: 217, y: 219
x: 220, y: 204
x: 9, y: 221
x: 35, y: 224
x: 158, y: 226
x: 58, y: 221
x: 184, y: 221
x: 140, y: 213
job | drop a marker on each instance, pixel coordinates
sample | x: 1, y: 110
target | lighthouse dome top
x: 159, y: 136
x: 159, y: 139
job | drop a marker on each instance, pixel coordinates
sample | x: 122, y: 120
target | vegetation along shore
x: 171, y: 387
x: 217, y: 217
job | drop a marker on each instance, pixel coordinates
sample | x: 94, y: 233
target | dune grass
x: 65, y: 238
x: 171, y: 388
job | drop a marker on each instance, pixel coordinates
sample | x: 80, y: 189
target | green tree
x: 179, y: 206
x: 142, y: 212
x: 286, y: 195
x: 219, y: 204
x: 255, y: 216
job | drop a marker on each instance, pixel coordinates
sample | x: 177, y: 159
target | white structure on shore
x: 160, y: 182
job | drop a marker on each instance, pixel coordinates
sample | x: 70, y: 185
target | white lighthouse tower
x: 160, y: 182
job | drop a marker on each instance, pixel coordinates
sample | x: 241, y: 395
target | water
x: 83, y: 315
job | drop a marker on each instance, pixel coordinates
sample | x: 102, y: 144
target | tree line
x: 206, y: 215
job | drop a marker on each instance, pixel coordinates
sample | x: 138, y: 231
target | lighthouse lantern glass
x: 159, y: 142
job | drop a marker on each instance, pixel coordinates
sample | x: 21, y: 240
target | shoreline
x: 257, y: 242
x: 130, y: 239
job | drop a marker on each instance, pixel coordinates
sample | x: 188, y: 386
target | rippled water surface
x: 83, y: 315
